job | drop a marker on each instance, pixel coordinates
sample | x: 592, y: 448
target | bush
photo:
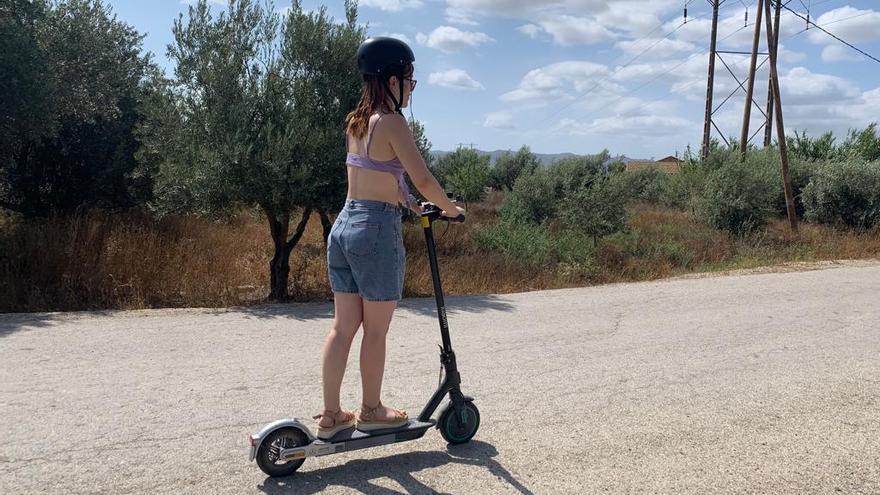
x: 574, y: 253
x: 509, y: 167
x: 846, y: 193
x: 532, y: 199
x: 573, y: 174
x: 469, y: 179
x: 649, y: 185
x: 800, y: 172
x: 739, y: 196
x: 570, y: 250
x: 464, y: 171
x: 861, y: 145
x: 524, y: 241
x: 597, y: 210
x: 683, y: 189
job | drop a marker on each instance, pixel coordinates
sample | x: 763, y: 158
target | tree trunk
x: 326, y: 224
x: 279, y: 266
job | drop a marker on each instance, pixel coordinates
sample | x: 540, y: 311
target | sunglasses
x: 412, y: 84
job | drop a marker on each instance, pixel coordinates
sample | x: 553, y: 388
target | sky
x: 581, y: 76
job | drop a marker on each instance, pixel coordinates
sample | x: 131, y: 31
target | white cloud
x: 732, y: 31
x: 550, y: 82
x: 529, y: 30
x: 455, y: 16
x: 499, y: 120
x: 454, y: 78
x: 851, y: 24
x: 525, y: 8
x: 839, y: 53
x: 570, y: 30
x: 856, y: 111
x: 801, y: 86
x: 632, y: 116
x: 400, y: 36
x: 657, y: 47
x: 391, y: 5
x: 638, y: 17
x: 450, y: 39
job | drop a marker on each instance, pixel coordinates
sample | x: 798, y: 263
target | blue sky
x: 582, y: 75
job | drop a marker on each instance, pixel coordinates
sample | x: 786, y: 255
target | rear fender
x: 257, y: 438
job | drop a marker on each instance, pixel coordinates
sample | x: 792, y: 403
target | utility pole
x: 750, y: 89
x: 768, y: 128
x: 772, y: 35
x: 707, y: 129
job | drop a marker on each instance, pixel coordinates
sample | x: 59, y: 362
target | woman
x: 365, y: 253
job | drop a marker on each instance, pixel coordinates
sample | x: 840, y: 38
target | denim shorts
x: 365, y: 253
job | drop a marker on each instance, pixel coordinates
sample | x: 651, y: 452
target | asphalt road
x: 763, y: 383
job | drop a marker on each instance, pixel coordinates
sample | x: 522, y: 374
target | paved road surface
x: 746, y: 384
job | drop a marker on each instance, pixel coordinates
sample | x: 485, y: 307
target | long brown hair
x: 373, y: 98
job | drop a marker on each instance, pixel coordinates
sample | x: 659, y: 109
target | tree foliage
x: 254, y: 116
x: 71, y: 79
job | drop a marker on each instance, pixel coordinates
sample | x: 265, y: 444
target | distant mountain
x: 545, y: 158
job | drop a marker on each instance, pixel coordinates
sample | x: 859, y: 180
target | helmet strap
x: 393, y: 98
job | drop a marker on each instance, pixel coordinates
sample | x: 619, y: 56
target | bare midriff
x: 372, y: 185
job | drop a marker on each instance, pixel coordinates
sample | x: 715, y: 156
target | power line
x: 835, y: 21
x: 620, y: 68
x: 658, y: 76
x: 809, y: 22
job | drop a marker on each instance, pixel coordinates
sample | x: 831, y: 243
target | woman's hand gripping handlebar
x: 433, y: 212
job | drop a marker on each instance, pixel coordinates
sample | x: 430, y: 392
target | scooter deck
x: 413, y: 429
x: 353, y: 439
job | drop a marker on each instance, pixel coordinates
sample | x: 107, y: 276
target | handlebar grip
x: 458, y: 219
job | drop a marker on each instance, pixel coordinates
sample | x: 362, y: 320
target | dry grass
x: 131, y: 261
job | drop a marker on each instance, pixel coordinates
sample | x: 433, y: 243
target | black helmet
x: 385, y: 57
x: 382, y: 55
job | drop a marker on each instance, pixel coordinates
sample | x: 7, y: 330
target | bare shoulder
x: 396, y: 123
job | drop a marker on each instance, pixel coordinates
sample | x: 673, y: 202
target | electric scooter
x: 281, y: 447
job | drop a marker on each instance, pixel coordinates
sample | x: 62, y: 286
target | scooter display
x: 281, y: 447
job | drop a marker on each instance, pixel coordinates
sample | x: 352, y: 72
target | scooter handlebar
x: 433, y: 212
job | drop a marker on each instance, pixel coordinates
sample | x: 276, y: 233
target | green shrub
x: 648, y: 185
x: 532, y: 199
x: 596, y: 210
x: 800, y: 172
x: 525, y: 241
x: 861, y: 145
x: 845, y: 193
x: 683, y: 189
x: 464, y: 171
x: 573, y: 246
x: 575, y: 173
x: 509, y: 166
x: 739, y: 196
x: 469, y: 179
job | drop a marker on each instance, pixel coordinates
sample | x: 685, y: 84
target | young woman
x: 365, y: 252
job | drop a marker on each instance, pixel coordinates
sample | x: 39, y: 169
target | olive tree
x: 253, y: 116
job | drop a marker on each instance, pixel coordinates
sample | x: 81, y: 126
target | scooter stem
x: 435, y: 275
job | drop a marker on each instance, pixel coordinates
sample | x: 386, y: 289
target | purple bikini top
x: 394, y: 167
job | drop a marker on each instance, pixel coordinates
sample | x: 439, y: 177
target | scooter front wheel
x: 268, y: 455
x: 460, y: 427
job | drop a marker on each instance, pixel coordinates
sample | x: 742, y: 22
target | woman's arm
x: 401, y: 139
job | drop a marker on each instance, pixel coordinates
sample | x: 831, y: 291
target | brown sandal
x: 367, y: 421
x: 325, y: 432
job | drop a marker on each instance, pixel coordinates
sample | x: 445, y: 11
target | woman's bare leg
x: 348, y: 314
x: 377, y: 318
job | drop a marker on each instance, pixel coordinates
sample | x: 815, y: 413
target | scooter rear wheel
x: 270, y: 450
x: 461, y: 427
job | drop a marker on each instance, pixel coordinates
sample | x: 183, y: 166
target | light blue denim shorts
x: 365, y: 253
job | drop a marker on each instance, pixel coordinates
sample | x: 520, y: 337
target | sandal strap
x: 368, y: 413
x: 348, y: 416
